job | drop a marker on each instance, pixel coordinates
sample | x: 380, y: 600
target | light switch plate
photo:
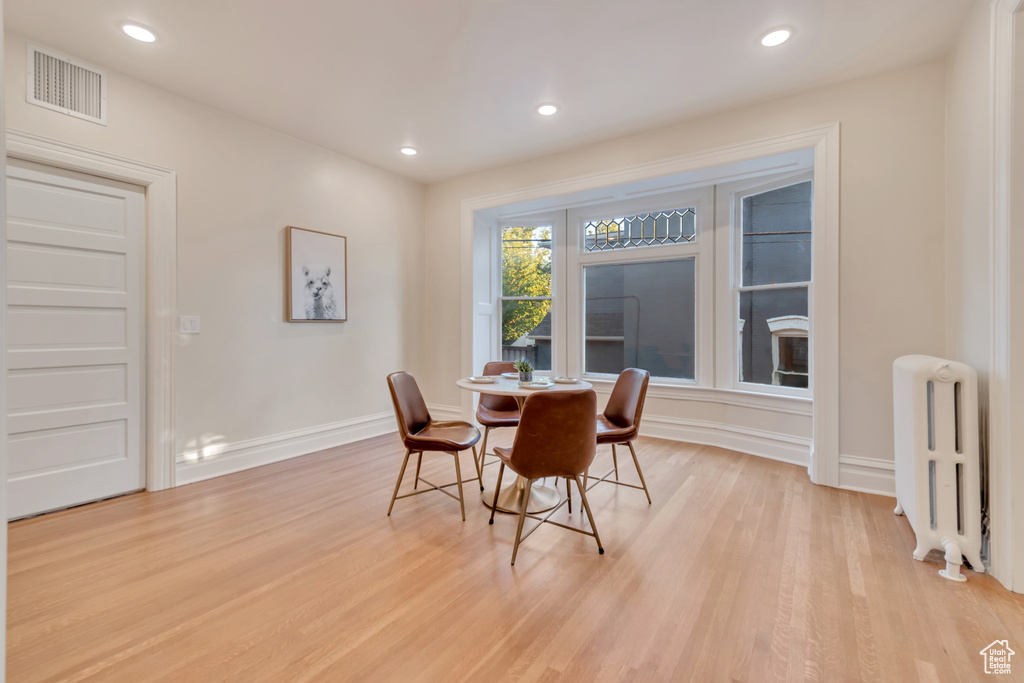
x: 188, y: 324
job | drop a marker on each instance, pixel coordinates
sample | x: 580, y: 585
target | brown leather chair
x: 420, y: 433
x: 495, y: 411
x: 620, y: 422
x: 556, y: 438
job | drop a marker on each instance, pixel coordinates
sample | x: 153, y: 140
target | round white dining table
x: 511, y: 497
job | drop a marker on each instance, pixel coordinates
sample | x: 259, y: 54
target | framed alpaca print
x: 316, y: 277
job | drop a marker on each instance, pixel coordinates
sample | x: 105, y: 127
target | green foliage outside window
x: 525, y: 271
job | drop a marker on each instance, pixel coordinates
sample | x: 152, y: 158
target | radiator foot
x: 953, y: 559
x: 952, y: 572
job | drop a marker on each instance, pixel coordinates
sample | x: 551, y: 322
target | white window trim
x: 824, y: 305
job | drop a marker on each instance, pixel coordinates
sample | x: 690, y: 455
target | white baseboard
x: 868, y: 475
x: 783, y: 447
x: 221, y: 459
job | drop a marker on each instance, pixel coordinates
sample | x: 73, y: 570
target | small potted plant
x: 525, y: 370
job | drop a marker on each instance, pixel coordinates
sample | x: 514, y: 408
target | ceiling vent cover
x: 66, y: 85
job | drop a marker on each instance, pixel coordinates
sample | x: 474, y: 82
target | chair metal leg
x: 458, y: 478
x: 398, y: 483
x: 522, y: 518
x: 483, y: 455
x: 497, y: 490
x: 568, y: 494
x: 419, y: 461
x: 615, y: 463
x: 636, y: 462
x: 483, y: 446
x: 590, y: 515
x: 479, y: 468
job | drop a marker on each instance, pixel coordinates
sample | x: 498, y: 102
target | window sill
x: 795, y: 405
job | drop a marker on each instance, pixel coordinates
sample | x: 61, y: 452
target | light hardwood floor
x: 741, y: 570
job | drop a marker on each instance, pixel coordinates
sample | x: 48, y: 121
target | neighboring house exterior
x: 605, y: 352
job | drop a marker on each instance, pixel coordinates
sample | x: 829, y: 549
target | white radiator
x: 938, y: 486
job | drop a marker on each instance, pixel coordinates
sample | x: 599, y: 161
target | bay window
x: 708, y: 287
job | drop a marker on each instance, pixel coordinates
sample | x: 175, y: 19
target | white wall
x: 891, y: 243
x: 968, y: 195
x: 249, y: 377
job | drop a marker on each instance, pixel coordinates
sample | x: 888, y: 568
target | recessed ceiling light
x: 775, y: 37
x: 546, y: 109
x: 409, y: 151
x: 139, y: 33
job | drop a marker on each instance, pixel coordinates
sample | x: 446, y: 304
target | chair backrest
x: 504, y: 403
x: 626, y: 404
x: 557, y: 434
x: 410, y: 408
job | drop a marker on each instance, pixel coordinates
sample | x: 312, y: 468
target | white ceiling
x: 460, y: 79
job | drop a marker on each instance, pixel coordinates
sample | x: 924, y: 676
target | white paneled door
x: 75, y: 338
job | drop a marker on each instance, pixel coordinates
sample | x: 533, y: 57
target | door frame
x: 161, y: 279
x: 1006, y: 403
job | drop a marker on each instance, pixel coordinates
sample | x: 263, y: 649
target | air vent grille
x: 66, y: 85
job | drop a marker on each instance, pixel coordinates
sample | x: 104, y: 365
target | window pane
x: 642, y: 230
x: 773, y: 337
x: 777, y: 236
x: 641, y: 315
x: 526, y: 261
x: 526, y: 332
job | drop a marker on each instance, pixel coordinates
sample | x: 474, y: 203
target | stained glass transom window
x: 642, y: 230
